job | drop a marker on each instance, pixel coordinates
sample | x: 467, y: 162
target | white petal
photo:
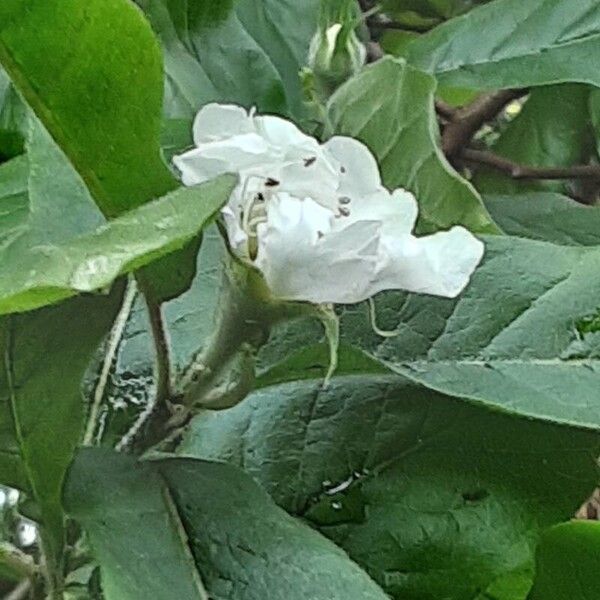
x: 359, y: 173
x: 440, y: 264
x: 311, y: 176
x: 406, y: 212
x: 397, y: 212
x: 232, y: 155
x: 219, y: 121
x: 283, y: 133
x: 302, y: 259
x: 196, y: 168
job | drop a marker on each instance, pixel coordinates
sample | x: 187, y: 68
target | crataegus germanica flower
x: 315, y: 219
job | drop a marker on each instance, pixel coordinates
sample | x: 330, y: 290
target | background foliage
x: 443, y: 463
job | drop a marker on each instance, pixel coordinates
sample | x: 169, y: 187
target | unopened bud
x: 335, y: 55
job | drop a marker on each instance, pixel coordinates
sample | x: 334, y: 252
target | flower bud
x: 335, y: 52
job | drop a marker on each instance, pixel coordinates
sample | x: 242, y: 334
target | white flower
x: 315, y: 218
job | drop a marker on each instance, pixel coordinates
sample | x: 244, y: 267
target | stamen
x: 344, y: 200
x: 254, y: 223
x: 310, y: 161
x: 373, y: 319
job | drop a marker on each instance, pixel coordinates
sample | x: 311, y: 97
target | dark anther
x: 272, y: 182
x: 344, y: 200
x: 343, y: 169
x: 310, y: 161
x: 260, y: 197
x: 345, y: 212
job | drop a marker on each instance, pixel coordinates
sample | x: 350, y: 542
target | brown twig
x: 374, y: 51
x: 466, y: 121
x: 517, y: 171
x: 445, y: 110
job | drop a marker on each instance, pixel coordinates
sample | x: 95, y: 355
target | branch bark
x: 445, y: 110
x: 465, y: 122
x: 518, y: 171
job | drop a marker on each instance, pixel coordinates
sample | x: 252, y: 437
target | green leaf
x: 515, y: 339
x: 547, y: 217
x: 432, y: 9
x: 45, y: 355
x: 568, y: 563
x: 148, y: 516
x: 14, y: 197
x: 56, y: 242
x: 512, y: 586
x: 511, y: 43
x: 72, y: 62
x: 552, y: 129
x: 389, y: 107
x: 134, y: 527
x: 433, y: 497
x: 249, y: 52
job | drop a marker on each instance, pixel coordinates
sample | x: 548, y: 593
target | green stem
x: 112, y: 347
x: 246, y: 315
x: 162, y: 351
x: 149, y: 428
x: 53, y: 568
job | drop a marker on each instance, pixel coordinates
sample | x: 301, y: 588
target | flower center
x: 253, y: 208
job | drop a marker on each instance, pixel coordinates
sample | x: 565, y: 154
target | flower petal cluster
x: 315, y: 218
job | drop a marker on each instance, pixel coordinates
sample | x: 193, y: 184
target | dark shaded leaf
x: 435, y: 498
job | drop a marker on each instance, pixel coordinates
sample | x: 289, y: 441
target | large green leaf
x: 72, y: 61
x: 515, y: 339
x: 144, y: 517
x: 134, y: 527
x: 568, y: 563
x: 553, y: 129
x: 389, y: 106
x: 56, y: 243
x: 45, y: 354
x: 511, y: 43
x: 546, y: 216
x: 435, y: 498
x: 244, y: 51
x: 52, y: 272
